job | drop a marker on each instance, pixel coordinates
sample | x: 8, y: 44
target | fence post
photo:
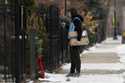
x: 19, y: 56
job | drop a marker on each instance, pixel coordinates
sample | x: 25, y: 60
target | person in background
x: 85, y: 30
x: 114, y: 25
x: 74, y: 50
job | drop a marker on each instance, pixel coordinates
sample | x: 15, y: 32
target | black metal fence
x: 57, y: 52
x: 7, y: 44
x: 11, y: 42
x: 13, y: 58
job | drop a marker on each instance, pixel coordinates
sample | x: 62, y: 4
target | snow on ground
x: 102, y: 66
x: 121, y: 49
x: 121, y: 53
x: 99, y: 50
x: 107, y: 46
x: 110, y: 40
x: 110, y: 78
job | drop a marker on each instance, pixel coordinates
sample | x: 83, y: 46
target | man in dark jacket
x: 74, y: 50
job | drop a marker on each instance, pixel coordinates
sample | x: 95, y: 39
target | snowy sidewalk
x: 103, y: 63
x: 110, y: 78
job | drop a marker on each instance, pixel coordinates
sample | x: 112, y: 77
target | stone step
x: 100, y: 57
x: 101, y: 72
x: 111, y: 43
x: 104, y: 68
x: 93, y: 72
x: 106, y: 46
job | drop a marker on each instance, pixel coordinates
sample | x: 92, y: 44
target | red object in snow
x: 41, y: 66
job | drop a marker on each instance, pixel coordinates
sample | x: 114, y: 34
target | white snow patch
x: 101, y: 66
x: 109, y: 66
x: 60, y: 78
x: 115, y: 47
x: 95, y: 49
x: 121, y: 49
x: 110, y: 40
x: 121, y: 53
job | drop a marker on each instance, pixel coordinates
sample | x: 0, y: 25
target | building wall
x: 59, y: 3
x: 75, y: 3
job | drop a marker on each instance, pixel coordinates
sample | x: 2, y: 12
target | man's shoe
x: 70, y: 75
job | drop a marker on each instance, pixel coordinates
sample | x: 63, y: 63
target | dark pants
x: 115, y: 33
x: 75, y: 59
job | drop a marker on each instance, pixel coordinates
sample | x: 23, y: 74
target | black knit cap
x: 74, y: 14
